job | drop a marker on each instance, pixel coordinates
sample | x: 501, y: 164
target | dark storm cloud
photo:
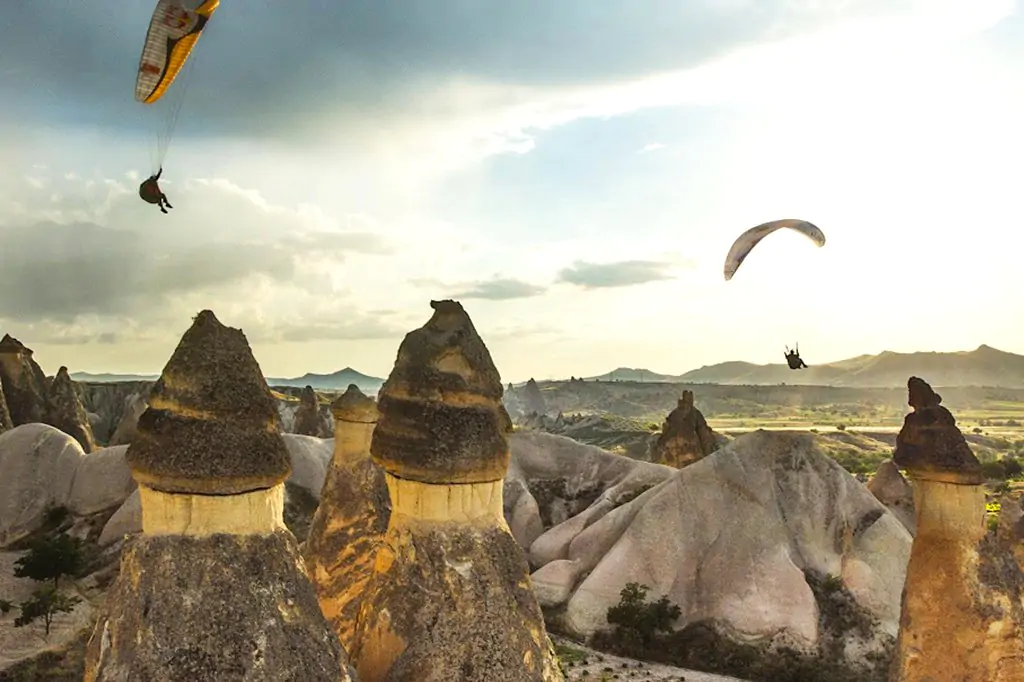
x: 620, y: 274
x: 269, y: 66
x: 499, y: 289
x: 58, y: 271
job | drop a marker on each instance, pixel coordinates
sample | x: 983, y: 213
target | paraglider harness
x: 793, y: 358
x: 151, y: 193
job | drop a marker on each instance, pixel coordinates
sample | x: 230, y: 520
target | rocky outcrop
x: 109, y: 402
x: 66, y: 412
x: 892, y: 490
x: 23, y: 382
x: 533, y: 398
x: 352, y: 518
x: 134, y: 405
x: 962, y: 611
x: 214, y: 588
x: 450, y: 596
x: 765, y: 543
x: 555, y: 482
x: 39, y: 465
x: 685, y: 435
x: 5, y: 416
x: 307, y: 416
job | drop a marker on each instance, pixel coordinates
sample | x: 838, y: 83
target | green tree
x: 46, y: 602
x: 638, y: 621
x: 51, y: 558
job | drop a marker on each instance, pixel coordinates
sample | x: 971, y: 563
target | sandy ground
x: 617, y: 668
x: 17, y: 644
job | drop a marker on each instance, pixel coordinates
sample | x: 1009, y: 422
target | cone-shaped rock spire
x: 442, y: 420
x: 211, y: 423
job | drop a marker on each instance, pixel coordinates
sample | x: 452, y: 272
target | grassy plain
x: 856, y: 426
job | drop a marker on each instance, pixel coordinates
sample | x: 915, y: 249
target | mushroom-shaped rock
x: 214, y: 588
x: 210, y: 426
x: 685, y: 435
x: 66, y: 411
x: 307, y: 415
x: 352, y: 517
x: 962, y: 617
x: 930, y: 445
x: 450, y: 596
x: 23, y: 383
x: 442, y: 420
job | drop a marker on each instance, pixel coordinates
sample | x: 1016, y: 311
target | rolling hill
x: 337, y: 381
x: 631, y: 374
x: 983, y: 366
x: 334, y: 381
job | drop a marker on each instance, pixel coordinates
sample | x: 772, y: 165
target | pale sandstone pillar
x: 450, y: 599
x: 961, y: 618
x: 352, y: 516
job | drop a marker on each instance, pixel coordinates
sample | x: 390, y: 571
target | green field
x: 856, y: 426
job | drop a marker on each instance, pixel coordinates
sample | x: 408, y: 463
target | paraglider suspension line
x: 170, y: 122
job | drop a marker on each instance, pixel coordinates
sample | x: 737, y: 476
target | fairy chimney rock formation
x: 962, y: 612
x: 534, y: 399
x: 307, y: 415
x: 450, y: 597
x: 23, y: 383
x: 214, y: 588
x: 66, y: 411
x: 685, y: 435
x: 352, y: 517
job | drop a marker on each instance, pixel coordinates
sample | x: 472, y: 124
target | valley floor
x: 584, y: 663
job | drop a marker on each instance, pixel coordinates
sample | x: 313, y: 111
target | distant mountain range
x: 336, y: 381
x: 984, y: 366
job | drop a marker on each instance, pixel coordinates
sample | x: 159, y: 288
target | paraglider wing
x: 173, y: 32
x: 748, y: 240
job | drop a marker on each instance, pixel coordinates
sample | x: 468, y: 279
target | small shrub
x: 51, y: 559
x: 45, y: 603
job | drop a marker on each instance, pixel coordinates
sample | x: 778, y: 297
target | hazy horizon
x: 574, y: 173
x: 505, y: 379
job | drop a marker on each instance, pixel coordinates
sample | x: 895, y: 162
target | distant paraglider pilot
x: 793, y: 358
x: 151, y: 193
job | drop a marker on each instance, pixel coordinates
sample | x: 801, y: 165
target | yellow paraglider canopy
x: 173, y: 32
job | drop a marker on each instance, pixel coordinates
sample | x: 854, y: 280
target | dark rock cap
x: 9, y: 344
x: 441, y: 417
x: 354, y: 406
x: 930, y: 445
x: 210, y: 427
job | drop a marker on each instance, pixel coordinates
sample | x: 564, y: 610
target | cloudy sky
x: 574, y: 172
